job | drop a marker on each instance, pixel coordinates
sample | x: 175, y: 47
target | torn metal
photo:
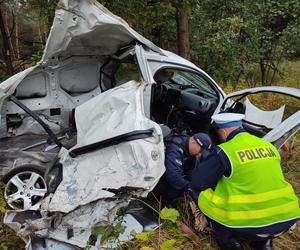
x: 89, y: 176
x: 90, y: 184
x: 95, y: 133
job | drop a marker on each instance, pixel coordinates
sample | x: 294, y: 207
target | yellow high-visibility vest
x: 256, y: 193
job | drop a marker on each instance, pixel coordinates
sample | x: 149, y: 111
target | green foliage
x: 147, y: 248
x: 143, y: 236
x: 155, y: 20
x: 231, y: 40
x: 36, y: 57
x: 109, y: 232
x: 2, y: 200
x: 3, y: 247
x: 169, y: 245
x: 216, y: 43
x: 169, y: 214
x: 41, y: 11
x: 229, y: 37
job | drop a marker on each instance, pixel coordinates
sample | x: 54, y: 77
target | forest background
x: 230, y: 40
x: 240, y: 44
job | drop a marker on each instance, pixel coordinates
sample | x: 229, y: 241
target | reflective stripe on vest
x: 248, y: 198
x: 256, y: 193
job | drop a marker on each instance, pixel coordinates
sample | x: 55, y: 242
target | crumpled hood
x: 85, y: 27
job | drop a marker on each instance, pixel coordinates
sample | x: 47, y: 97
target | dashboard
x: 188, y: 98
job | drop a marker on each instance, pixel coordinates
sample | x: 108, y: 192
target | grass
x: 180, y: 236
x: 8, y: 238
x: 291, y: 74
x: 291, y: 171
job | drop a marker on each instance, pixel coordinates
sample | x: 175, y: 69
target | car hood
x: 88, y: 28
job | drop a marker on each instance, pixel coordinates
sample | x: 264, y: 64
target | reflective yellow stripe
x: 248, y: 198
x: 254, y: 214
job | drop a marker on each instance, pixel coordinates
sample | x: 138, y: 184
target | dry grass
x: 291, y: 166
x: 291, y: 169
x: 182, y: 232
x: 291, y: 74
x: 288, y: 241
x: 8, y: 238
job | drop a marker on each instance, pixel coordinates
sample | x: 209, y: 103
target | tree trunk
x: 156, y: 33
x: 9, y: 31
x: 40, y: 32
x: 6, y: 50
x: 183, y: 42
x: 18, y: 24
x: 262, y: 71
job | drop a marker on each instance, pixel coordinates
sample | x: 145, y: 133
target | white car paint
x: 84, y: 34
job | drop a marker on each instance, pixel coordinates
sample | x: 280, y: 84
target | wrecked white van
x: 81, y: 132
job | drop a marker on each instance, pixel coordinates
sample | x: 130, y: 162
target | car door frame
x: 280, y: 134
x: 163, y: 62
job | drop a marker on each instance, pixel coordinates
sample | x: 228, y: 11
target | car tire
x: 25, y: 187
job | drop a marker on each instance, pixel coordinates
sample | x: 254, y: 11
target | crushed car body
x: 81, y: 132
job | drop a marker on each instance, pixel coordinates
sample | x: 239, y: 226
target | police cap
x: 226, y: 120
x: 203, y: 140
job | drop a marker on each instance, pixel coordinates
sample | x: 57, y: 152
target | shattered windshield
x: 190, y: 79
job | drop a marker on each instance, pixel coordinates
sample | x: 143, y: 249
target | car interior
x: 184, y: 101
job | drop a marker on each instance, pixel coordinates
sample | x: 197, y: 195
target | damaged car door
x: 275, y: 125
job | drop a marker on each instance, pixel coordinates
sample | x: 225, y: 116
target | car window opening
x: 183, y: 100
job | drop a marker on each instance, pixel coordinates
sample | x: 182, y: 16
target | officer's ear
x: 223, y: 133
x: 192, y: 144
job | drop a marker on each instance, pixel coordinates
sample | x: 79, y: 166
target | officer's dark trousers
x: 229, y: 238
x: 166, y: 191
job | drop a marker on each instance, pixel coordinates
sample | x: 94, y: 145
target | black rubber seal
x: 134, y: 135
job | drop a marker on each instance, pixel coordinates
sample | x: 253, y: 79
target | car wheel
x: 25, y: 187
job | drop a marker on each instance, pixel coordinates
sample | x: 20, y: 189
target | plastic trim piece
x: 134, y: 135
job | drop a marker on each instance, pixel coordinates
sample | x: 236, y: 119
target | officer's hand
x: 200, y: 220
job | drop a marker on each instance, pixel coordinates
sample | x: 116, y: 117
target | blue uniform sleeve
x: 208, y: 172
x: 174, y: 170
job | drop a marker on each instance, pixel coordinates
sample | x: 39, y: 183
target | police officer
x: 242, y: 189
x: 180, y: 157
